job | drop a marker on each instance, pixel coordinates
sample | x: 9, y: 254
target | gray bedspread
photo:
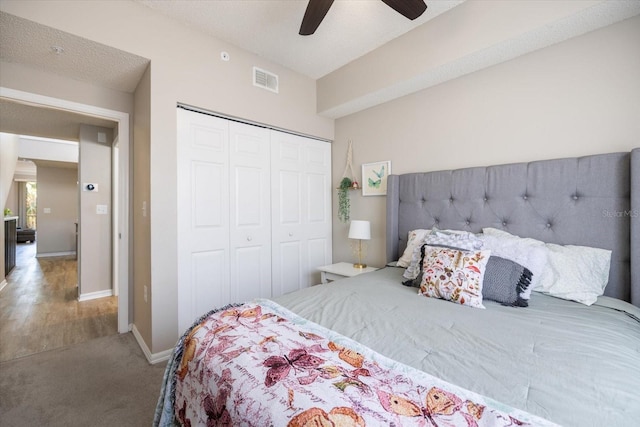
x: 566, y: 362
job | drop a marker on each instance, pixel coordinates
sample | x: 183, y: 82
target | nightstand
x: 341, y: 270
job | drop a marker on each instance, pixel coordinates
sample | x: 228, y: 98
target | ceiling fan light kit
x: 317, y: 10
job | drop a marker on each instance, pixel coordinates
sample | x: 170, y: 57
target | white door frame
x: 120, y: 177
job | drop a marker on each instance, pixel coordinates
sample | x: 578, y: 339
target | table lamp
x: 359, y: 230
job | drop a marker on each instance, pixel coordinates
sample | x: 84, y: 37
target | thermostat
x: 89, y: 186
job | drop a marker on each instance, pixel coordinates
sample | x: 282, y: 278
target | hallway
x: 39, y: 308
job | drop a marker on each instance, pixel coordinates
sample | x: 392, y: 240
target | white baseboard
x: 151, y: 357
x: 95, y: 295
x: 51, y: 254
x: 3, y: 284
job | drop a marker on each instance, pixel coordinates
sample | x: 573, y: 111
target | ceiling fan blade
x: 409, y: 8
x: 313, y: 16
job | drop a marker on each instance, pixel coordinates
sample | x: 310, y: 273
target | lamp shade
x: 360, y: 230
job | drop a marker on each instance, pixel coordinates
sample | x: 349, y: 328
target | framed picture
x: 374, y: 178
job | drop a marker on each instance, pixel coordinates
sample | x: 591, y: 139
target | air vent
x: 265, y: 79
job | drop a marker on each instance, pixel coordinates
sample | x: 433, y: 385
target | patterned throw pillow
x: 448, y: 238
x: 454, y: 275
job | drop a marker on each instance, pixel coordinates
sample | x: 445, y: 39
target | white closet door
x: 254, y: 217
x: 203, y: 215
x: 250, y: 206
x: 301, y: 210
x: 318, y: 213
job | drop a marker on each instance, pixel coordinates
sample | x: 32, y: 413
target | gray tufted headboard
x: 588, y: 201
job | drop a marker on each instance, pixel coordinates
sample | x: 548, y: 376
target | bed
x: 376, y: 342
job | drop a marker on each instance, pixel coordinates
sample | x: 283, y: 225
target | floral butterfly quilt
x: 258, y: 364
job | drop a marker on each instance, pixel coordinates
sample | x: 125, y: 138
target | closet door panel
x: 289, y: 193
x: 288, y: 267
x: 203, y: 217
x: 288, y: 201
x: 250, y: 206
x: 209, y: 271
x: 209, y: 195
x: 301, y: 169
x: 249, y: 282
x: 318, y: 213
x: 318, y: 155
x: 318, y: 188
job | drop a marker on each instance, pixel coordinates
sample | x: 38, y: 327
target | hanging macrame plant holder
x: 346, y: 183
x: 349, y: 167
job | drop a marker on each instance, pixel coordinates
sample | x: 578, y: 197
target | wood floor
x: 39, y: 308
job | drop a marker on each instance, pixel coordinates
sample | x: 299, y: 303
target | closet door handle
x: 290, y: 234
x: 249, y: 238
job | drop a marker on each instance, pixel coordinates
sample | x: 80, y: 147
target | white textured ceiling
x: 26, y: 42
x: 269, y: 28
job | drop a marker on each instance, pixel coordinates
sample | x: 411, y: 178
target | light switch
x: 47, y: 210
x: 102, y: 209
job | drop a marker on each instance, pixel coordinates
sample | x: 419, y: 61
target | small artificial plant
x: 7, y: 212
x: 344, y: 204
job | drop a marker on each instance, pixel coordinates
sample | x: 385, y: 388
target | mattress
x: 555, y: 360
x: 571, y: 364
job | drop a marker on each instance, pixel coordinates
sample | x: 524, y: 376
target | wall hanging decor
x: 374, y: 178
x: 348, y: 182
x: 344, y: 204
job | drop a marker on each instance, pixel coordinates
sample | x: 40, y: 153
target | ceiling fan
x: 317, y: 9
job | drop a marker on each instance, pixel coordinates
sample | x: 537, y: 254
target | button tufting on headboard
x: 587, y: 201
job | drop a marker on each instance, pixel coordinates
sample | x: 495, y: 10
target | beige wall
x: 58, y: 192
x: 12, y: 200
x: 460, y: 41
x: 141, y: 229
x: 8, y: 159
x: 576, y: 98
x: 95, y: 259
x: 24, y: 78
x: 186, y: 67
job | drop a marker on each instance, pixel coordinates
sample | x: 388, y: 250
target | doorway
x: 120, y: 188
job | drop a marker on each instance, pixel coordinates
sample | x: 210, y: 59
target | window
x: 31, y: 194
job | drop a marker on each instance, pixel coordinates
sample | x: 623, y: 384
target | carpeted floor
x: 103, y: 382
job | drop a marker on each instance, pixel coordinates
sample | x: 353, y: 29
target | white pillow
x: 530, y: 253
x: 455, y: 239
x: 577, y: 273
x: 414, y: 241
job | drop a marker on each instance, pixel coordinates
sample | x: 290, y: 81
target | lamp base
x: 358, y: 265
